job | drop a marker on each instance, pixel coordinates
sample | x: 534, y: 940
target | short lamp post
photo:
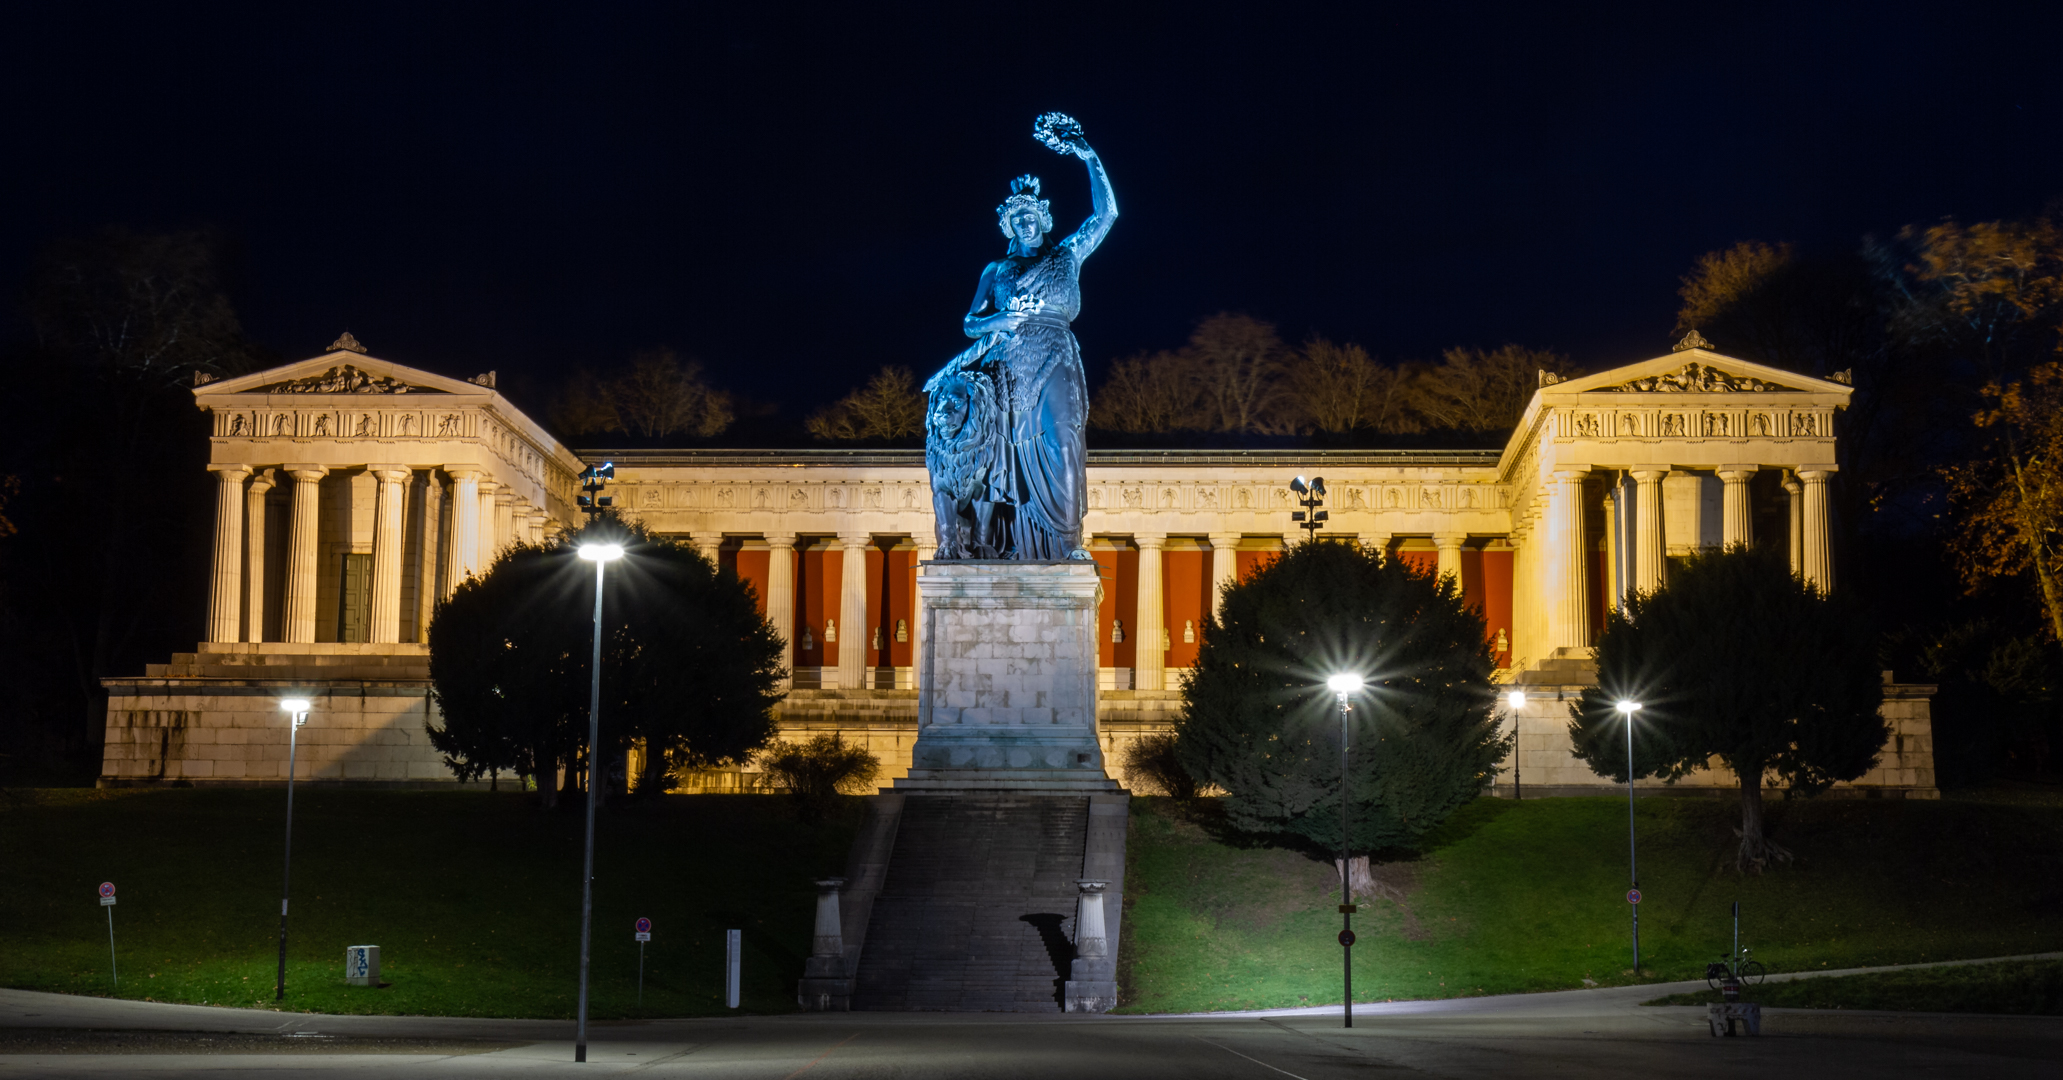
x: 1517, y: 700
x: 298, y: 709
x: 1627, y: 709
x: 601, y: 555
x: 1344, y: 686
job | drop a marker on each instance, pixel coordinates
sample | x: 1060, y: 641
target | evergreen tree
x: 689, y: 667
x: 1260, y: 724
x: 1736, y: 658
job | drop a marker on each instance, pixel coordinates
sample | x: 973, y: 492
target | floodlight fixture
x: 601, y: 553
x: 1345, y: 682
x: 1297, y: 485
x: 1516, y: 699
x: 294, y: 704
x: 1628, y: 707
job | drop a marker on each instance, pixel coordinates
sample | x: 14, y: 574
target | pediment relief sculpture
x: 346, y: 379
x: 1696, y: 378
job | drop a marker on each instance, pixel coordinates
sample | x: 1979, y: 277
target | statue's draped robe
x: 1040, y: 368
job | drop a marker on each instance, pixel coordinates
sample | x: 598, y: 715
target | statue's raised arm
x: 1063, y: 135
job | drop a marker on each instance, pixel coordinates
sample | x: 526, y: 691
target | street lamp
x: 601, y: 555
x: 1627, y: 709
x: 1517, y: 700
x: 298, y: 709
x: 1343, y: 686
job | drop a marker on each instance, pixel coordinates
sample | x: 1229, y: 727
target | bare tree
x: 888, y: 407
x: 1339, y: 389
x: 1479, y: 390
x: 1240, y: 361
x: 1153, y: 393
x: 663, y: 395
x: 147, y: 308
x: 657, y: 395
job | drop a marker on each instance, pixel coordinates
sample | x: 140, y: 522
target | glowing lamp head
x: 600, y: 553
x: 294, y: 704
x: 1345, y: 683
x: 1628, y: 707
x: 1516, y: 699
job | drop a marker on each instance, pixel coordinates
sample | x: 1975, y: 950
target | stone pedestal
x: 1008, y: 673
x: 1092, y: 978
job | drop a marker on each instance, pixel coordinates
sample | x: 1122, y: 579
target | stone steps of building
x: 977, y: 910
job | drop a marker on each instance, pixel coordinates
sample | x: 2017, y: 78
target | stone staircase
x: 310, y: 663
x: 977, y: 910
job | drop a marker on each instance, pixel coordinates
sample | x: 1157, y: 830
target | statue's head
x: 1024, y: 217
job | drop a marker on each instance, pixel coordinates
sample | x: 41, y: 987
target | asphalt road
x: 1591, y: 1033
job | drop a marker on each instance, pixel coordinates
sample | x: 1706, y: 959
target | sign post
x: 107, y: 900
x: 733, y: 944
x: 644, y: 928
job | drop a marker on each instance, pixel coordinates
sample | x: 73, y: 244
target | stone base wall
x: 194, y: 721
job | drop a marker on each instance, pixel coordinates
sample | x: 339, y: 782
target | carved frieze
x: 346, y: 379
x: 1695, y: 378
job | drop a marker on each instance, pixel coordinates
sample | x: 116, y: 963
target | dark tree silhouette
x: 1260, y: 724
x: 1740, y: 659
x: 689, y: 667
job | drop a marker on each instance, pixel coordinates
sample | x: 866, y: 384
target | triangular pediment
x: 345, y: 372
x: 1698, y: 371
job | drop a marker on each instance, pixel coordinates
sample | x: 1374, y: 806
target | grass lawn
x: 1526, y: 896
x: 473, y: 898
x: 2017, y: 987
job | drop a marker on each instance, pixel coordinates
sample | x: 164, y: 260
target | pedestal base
x: 1009, y: 680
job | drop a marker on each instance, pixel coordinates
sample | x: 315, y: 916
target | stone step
x: 977, y: 910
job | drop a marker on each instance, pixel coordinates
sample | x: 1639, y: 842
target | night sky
x: 797, y: 198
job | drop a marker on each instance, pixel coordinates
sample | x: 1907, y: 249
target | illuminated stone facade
x: 353, y: 492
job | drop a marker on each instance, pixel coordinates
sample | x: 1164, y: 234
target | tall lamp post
x: 298, y: 709
x: 1627, y: 709
x: 1344, y: 686
x: 601, y: 555
x: 1517, y: 700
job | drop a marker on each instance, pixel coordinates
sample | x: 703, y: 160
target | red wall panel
x: 1497, y: 599
x: 1185, y: 596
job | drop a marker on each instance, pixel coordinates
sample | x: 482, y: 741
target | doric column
x: 298, y: 620
x: 386, y: 553
x: 1149, y: 658
x: 1378, y: 542
x: 1737, y: 515
x: 1450, y: 555
x: 1224, y: 567
x: 926, y: 551
x: 708, y: 543
x: 429, y: 505
x: 1818, y: 552
x: 780, y: 592
x: 1568, y: 586
x: 506, y: 507
x: 462, y: 545
x: 1611, y: 547
x: 1649, y: 548
x: 254, y: 556
x: 1795, y: 496
x: 488, y: 524
x: 226, y: 597
x: 852, y: 610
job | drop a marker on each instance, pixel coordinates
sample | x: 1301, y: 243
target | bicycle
x: 1742, y: 968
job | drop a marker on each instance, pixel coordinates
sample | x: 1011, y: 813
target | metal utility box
x: 362, y: 965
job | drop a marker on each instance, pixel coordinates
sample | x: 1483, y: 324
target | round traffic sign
x: 1633, y: 896
x: 644, y: 926
x: 1347, y: 939
x: 107, y: 888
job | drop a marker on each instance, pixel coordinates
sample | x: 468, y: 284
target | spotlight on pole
x: 1627, y: 709
x: 1344, y: 686
x: 601, y: 555
x: 1310, y: 496
x: 298, y: 709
